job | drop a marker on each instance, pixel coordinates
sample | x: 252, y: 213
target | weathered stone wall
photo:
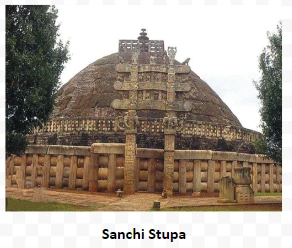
x: 103, y: 164
x: 190, y: 134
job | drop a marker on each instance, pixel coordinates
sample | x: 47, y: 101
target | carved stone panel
x: 151, y: 104
x: 182, y: 69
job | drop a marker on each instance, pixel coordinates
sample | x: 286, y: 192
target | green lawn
x: 232, y: 208
x: 24, y: 205
x: 268, y: 194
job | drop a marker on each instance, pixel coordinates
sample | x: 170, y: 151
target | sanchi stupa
x: 140, y: 121
x: 93, y: 106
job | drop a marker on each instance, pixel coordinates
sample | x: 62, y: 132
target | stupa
x: 92, y: 106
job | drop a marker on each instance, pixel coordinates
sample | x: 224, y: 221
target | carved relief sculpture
x: 170, y: 122
x: 171, y: 54
x: 131, y: 121
x: 135, y: 56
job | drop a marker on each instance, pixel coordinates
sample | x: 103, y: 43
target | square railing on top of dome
x: 152, y: 46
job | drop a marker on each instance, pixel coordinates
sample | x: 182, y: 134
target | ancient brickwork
x: 75, y: 167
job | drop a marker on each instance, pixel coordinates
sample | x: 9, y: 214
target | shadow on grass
x: 24, y: 205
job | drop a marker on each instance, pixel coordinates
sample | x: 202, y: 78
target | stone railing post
x: 168, y: 162
x: 255, y: 177
x: 182, y: 182
x: 20, y: 173
x: 263, y: 172
x: 271, y: 172
x: 197, y: 176
x: 46, y: 171
x: 210, y: 176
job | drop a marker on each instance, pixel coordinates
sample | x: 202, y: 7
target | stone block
x: 82, y: 150
x: 244, y: 194
x: 226, y: 190
x: 110, y: 148
x: 36, y: 149
x: 193, y: 154
x: 242, y: 176
x: 60, y: 150
x: 149, y: 153
x: 244, y: 157
x: 224, y: 155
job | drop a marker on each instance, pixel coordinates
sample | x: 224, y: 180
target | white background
x: 207, y: 31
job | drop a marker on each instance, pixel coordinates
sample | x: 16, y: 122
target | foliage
x: 270, y: 95
x: 34, y: 61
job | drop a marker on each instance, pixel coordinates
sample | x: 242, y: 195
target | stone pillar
x: 223, y: 168
x: 226, y: 190
x: 255, y: 177
x: 21, y: 173
x: 35, y: 159
x: 151, y: 176
x: 9, y: 164
x: 182, y: 182
x: 197, y: 176
x: 278, y: 177
x: 263, y: 172
x: 73, y: 172
x: 243, y: 192
x: 271, y: 171
x: 46, y: 171
x: 59, y: 172
x: 111, y: 172
x: 85, y: 181
x: 130, y: 162
x: 170, y: 123
x: 168, y: 161
x: 93, y: 172
x: 210, y: 176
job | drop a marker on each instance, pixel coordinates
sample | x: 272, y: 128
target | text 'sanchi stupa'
x: 92, y: 107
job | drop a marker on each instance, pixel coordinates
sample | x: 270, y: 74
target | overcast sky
x: 223, y: 42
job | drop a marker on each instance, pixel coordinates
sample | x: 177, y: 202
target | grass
x: 268, y: 194
x: 24, y: 205
x: 229, y: 208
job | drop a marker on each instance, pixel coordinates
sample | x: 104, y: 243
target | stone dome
x: 142, y: 77
x: 91, y: 92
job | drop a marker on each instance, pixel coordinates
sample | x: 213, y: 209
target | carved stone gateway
x: 150, y: 80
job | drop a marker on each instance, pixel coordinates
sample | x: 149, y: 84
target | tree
x: 270, y: 94
x: 35, y: 58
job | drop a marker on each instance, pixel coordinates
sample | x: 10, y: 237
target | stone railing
x: 101, y: 168
x: 154, y: 46
x: 147, y: 126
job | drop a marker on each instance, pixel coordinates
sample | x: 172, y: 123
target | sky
x: 222, y: 42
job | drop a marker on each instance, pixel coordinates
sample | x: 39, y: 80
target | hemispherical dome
x: 144, y: 80
x: 91, y: 92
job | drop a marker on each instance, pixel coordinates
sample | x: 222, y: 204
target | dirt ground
x: 135, y: 202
